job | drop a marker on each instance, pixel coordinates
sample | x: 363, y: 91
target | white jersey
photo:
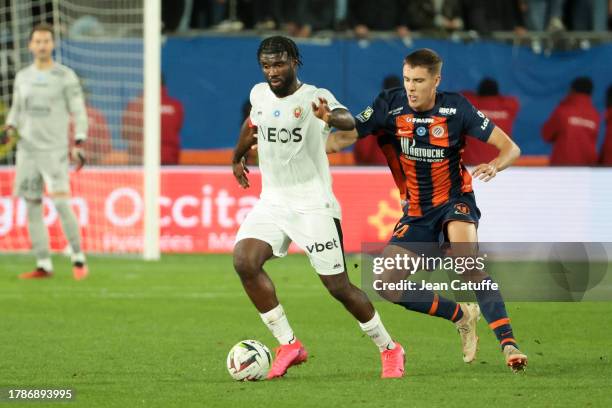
x: 291, y: 145
x: 42, y: 103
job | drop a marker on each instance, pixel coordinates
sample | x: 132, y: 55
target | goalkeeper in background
x: 45, y: 94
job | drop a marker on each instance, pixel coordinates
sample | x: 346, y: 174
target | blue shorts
x: 431, y: 226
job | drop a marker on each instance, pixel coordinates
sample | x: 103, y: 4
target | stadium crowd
x: 302, y: 18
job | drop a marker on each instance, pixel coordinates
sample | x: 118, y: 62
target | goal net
x: 102, y: 41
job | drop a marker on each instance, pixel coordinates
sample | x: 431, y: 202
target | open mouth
x: 275, y: 81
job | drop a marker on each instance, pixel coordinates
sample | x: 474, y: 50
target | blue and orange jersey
x: 424, y: 149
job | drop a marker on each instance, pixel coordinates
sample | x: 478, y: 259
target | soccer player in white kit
x: 291, y: 121
x: 45, y: 94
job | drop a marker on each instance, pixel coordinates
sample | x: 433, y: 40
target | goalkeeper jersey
x: 42, y: 103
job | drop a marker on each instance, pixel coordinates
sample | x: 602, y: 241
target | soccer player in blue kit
x: 422, y: 133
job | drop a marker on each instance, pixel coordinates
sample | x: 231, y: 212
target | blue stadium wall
x: 213, y: 76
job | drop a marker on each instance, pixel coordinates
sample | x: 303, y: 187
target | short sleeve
x: 475, y: 123
x: 372, y: 118
x: 332, y: 102
x: 254, y: 99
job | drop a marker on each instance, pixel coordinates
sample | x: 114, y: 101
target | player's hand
x: 6, y: 133
x: 485, y: 171
x: 240, y: 172
x: 78, y: 156
x: 322, y: 111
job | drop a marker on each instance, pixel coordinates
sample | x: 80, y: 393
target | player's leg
x: 407, y: 241
x: 463, y: 237
x: 258, y: 240
x: 55, y: 173
x: 321, y: 237
x: 72, y: 232
x: 358, y: 304
x: 28, y: 184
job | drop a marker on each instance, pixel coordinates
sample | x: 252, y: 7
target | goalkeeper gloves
x: 78, y: 155
x: 5, y: 134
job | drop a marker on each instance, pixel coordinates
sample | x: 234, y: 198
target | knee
x: 246, y: 265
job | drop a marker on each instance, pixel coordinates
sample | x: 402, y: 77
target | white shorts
x: 36, y: 170
x: 320, y: 236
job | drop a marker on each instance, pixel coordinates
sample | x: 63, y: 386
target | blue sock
x: 428, y: 302
x: 493, y: 309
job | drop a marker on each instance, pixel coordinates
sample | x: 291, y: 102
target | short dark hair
x: 582, y: 85
x: 426, y: 58
x: 488, y: 87
x: 42, y: 27
x: 279, y: 44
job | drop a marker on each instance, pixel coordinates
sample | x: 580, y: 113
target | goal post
x: 152, y: 101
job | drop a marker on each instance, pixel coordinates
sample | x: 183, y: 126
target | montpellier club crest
x: 437, y: 131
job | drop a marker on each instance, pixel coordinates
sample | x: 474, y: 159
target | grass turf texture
x: 157, y: 334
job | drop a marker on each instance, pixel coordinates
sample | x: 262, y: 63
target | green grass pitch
x: 157, y: 335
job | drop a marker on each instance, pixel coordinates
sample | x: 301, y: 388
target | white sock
x: 79, y: 257
x: 45, y: 263
x: 377, y: 332
x: 277, y: 322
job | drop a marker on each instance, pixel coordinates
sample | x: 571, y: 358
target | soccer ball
x: 249, y: 360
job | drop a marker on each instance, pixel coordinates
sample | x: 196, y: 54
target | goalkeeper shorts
x: 41, y: 169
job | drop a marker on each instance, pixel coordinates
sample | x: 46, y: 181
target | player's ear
x: 438, y: 80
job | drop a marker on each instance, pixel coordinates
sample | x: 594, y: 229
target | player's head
x: 41, y: 42
x: 582, y: 85
x: 279, y: 58
x: 422, y: 74
x: 488, y: 87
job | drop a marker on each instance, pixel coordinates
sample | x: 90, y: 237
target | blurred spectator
x: 208, y: 13
x: 501, y: 109
x: 303, y: 17
x: 443, y: 15
x: 171, y: 124
x: 606, y: 149
x: 590, y: 15
x: 267, y: 14
x: 341, y: 15
x: 485, y: 16
x: 379, y: 15
x: 545, y: 15
x: 573, y: 127
x: 366, y: 150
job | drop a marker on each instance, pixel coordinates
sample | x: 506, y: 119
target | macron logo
x: 318, y: 247
x: 448, y: 111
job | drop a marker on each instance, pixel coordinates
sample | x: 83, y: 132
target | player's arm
x: 340, y: 139
x: 76, y: 106
x: 246, y: 139
x: 508, y: 153
x: 338, y: 118
x: 8, y: 129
